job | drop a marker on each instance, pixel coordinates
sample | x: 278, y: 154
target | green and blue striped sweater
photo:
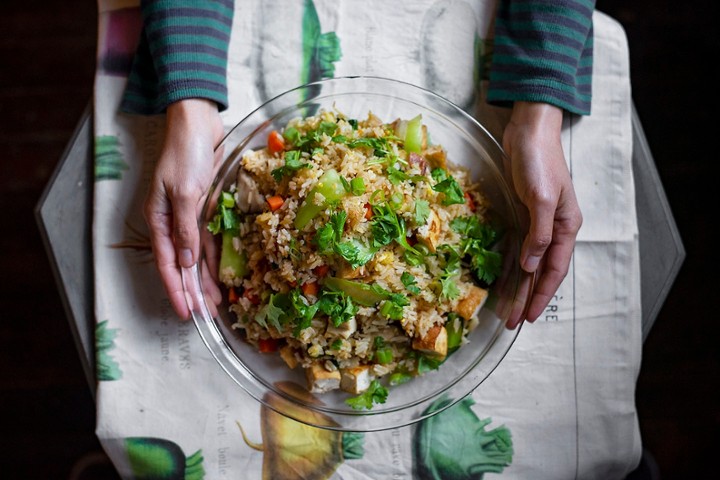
x: 543, y: 52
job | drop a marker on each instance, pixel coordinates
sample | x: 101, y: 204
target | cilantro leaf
x: 486, y: 265
x: 451, y: 189
x: 451, y: 269
x: 396, y: 176
x: 338, y: 306
x: 427, y: 364
x: 410, y: 283
x: 273, y: 312
x: 226, y: 218
x: 328, y: 240
x: 388, y: 226
x: 354, y: 252
x: 422, y: 211
x: 438, y: 174
x: 449, y: 287
x: 304, y: 312
x: 292, y: 165
x: 477, y: 240
x: 330, y: 233
x: 380, y: 145
x: 375, y: 393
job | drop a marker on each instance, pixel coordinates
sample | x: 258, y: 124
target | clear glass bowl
x: 265, y: 376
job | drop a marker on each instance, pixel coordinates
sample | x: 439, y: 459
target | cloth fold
x: 563, y: 397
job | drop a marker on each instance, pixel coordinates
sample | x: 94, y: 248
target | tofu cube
x: 344, y: 330
x: 429, y: 234
x: 321, y: 380
x: 469, y: 306
x: 433, y: 343
x: 287, y: 353
x: 356, y: 380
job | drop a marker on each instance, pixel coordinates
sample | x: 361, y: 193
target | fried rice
x: 363, y: 255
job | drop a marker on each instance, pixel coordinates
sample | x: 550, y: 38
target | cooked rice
x: 283, y: 258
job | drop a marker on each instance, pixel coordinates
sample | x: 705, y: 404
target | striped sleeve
x: 182, y: 54
x: 543, y: 52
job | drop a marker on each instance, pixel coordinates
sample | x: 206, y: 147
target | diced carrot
x: 310, y: 288
x: 321, y: 271
x: 368, y: 211
x: 470, y: 202
x: 232, y: 295
x: 275, y: 202
x: 250, y: 295
x: 267, y: 345
x: 276, y: 142
x: 292, y: 283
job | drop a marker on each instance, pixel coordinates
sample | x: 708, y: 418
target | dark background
x: 47, y: 64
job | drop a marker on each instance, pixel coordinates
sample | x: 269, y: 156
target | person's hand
x: 182, y: 176
x: 543, y: 184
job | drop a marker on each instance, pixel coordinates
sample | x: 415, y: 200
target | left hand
x: 182, y: 177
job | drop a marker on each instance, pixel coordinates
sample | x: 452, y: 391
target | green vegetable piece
x: 477, y: 239
x: 453, y: 193
x: 361, y: 293
x: 383, y: 353
x: 398, y: 378
x: 454, y: 444
x: 354, y: 252
x: 232, y: 263
x: 375, y: 393
x: 338, y: 306
x: 357, y: 186
x: 454, y: 328
x: 292, y: 165
x: 422, y: 212
x: 414, y: 135
x: 226, y: 218
x: 393, y: 307
x: 410, y: 283
x: 330, y: 187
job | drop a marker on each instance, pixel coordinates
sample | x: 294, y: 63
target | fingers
x: 159, y: 224
x: 185, y: 228
x: 555, y: 263
x: 540, y: 234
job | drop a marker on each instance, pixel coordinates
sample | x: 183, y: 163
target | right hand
x: 543, y: 183
x: 182, y: 177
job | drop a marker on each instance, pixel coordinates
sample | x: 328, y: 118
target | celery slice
x: 330, y: 186
x: 232, y: 263
x: 414, y: 135
x: 360, y: 293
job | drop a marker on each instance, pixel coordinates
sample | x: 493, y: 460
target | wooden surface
x: 47, y: 62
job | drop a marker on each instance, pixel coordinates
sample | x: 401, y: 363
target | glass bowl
x: 265, y: 376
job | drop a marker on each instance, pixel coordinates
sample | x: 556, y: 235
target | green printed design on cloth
x: 454, y: 445
x: 160, y: 459
x: 109, y: 161
x: 107, y: 367
x: 320, y: 50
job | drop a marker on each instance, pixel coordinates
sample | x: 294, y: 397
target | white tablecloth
x: 565, y: 392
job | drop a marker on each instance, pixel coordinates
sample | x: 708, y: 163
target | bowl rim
x: 268, y: 395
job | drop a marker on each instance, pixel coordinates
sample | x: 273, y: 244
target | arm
x: 180, y: 69
x: 542, y: 66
